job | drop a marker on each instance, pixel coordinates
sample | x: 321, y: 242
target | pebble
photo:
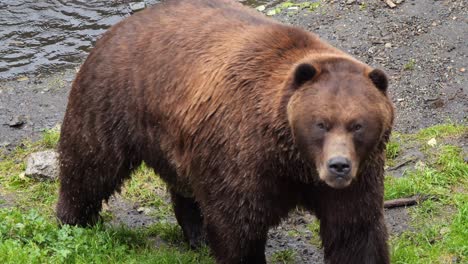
x: 260, y: 8
x: 17, y: 121
x: 388, y: 45
x: 137, y: 6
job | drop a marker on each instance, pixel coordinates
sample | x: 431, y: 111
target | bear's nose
x: 339, y: 166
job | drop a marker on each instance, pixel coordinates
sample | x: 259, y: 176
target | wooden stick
x: 409, y: 201
x: 401, y: 164
x: 390, y: 3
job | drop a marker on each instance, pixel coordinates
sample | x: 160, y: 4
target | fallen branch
x: 404, y: 163
x: 409, y: 201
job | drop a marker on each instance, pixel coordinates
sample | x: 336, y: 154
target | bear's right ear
x: 379, y: 79
x: 304, y: 72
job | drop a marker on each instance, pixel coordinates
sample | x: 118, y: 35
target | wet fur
x: 204, y: 103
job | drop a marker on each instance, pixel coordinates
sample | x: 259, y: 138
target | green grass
x: 29, y: 232
x: 439, y: 225
x: 286, y: 256
x: 393, y: 149
x: 314, y: 227
x: 30, y: 237
x: 148, y: 190
x: 410, y: 65
x: 442, y: 131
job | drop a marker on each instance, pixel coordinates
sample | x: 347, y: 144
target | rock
x: 144, y: 210
x: 137, y: 6
x: 350, y: 2
x: 388, y: 45
x: 17, y: 121
x: 42, y: 165
x: 22, y: 79
x: 260, y: 8
x: 4, y: 144
x: 432, y: 142
x: 399, y: 1
x: 271, y: 12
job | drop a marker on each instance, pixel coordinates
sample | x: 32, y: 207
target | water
x: 42, y: 36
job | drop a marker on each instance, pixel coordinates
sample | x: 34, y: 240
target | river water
x: 43, y: 36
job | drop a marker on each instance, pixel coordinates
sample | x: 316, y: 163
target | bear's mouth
x: 334, y: 179
x: 338, y: 182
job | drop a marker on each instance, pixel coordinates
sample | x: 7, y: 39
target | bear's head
x: 339, y: 114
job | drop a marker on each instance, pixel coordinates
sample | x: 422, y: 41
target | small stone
x: 462, y: 69
x: 4, y: 144
x: 444, y: 230
x: 22, y: 79
x: 260, y: 8
x: 17, y: 121
x: 432, y: 142
x: 350, y: 2
x: 137, y: 6
x: 399, y: 1
x: 293, y: 8
x: 420, y: 165
x: 271, y: 12
x: 144, y: 210
x: 388, y: 45
x: 16, y: 43
x: 42, y: 165
x: 434, y: 24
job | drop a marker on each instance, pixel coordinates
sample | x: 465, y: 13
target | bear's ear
x: 304, y: 72
x: 379, y: 79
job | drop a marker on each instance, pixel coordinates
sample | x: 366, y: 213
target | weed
x: 409, y: 66
x: 286, y: 256
x: 314, y: 227
x: 393, y: 149
x: 50, y: 138
x: 146, y: 188
x: 362, y: 6
x: 442, y: 130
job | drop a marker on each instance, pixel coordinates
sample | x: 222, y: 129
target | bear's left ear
x: 304, y: 72
x: 379, y: 79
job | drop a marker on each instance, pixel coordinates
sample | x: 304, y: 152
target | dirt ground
x: 422, y: 45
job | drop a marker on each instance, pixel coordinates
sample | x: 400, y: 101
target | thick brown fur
x: 204, y: 92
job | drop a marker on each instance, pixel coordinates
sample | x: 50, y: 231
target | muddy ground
x: 422, y: 45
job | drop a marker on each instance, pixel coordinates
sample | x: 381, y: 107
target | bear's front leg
x: 235, y: 235
x: 352, y: 226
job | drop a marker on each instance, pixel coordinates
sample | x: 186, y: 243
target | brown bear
x: 243, y: 117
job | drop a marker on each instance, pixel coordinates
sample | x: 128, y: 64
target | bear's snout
x: 339, y: 172
x: 339, y: 167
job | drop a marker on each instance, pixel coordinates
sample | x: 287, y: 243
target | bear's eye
x: 357, y: 127
x: 322, y: 126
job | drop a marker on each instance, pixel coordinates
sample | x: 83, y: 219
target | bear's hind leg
x: 89, y: 174
x: 189, y: 217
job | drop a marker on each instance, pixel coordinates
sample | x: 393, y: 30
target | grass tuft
x: 286, y: 256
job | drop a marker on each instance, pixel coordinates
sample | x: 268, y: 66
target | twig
x: 401, y: 164
x: 409, y: 201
